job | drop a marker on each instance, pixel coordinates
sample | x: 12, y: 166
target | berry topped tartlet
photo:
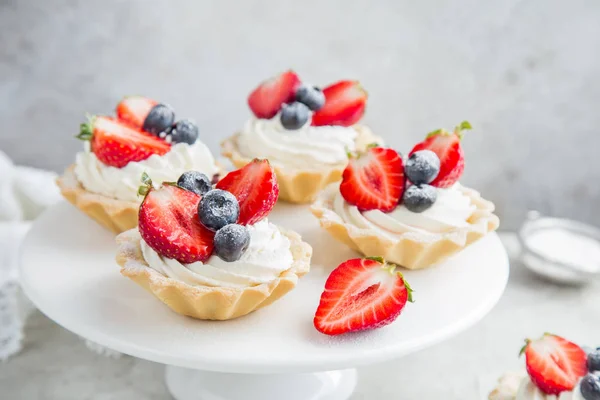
x: 305, y: 133
x: 556, y: 370
x: 412, y: 212
x: 211, y: 253
x: 144, y: 137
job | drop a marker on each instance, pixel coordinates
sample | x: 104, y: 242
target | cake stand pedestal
x: 68, y: 271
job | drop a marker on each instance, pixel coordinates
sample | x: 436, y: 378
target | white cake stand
x: 68, y: 271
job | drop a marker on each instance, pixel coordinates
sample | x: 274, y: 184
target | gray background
x: 524, y: 72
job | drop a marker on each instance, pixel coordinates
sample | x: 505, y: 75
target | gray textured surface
x: 525, y: 72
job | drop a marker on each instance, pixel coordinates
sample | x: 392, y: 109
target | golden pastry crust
x: 411, y: 250
x: 300, y: 186
x: 204, y: 302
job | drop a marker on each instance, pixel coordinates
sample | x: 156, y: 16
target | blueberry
x: 184, y: 131
x: 422, y: 167
x: 218, y: 208
x: 194, y: 181
x: 231, y: 241
x: 312, y: 96
x: 294, y: 116
x: 593, y: 361
x: 590, y: 387
x: 159, y: 119
x: 418, y: 198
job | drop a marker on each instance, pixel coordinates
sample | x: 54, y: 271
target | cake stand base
x: 191, y: 384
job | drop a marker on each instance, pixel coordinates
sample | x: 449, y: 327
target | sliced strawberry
x: 266, y: 100
x: 168, y: 222
x: 345, y: 104
x: 256, y: 189
x: 447, y: 147
x: 361, y: 294
x: 117, y: 144
x: 134, y: 110
x: 374, y: 180
x: 553, y: 363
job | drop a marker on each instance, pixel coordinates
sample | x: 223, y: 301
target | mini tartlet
x: 379, y: 211
x: 143, y: 138
x: 303, y: 131
x: 227, y: 260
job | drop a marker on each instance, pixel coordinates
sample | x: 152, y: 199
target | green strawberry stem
x: 391, y: 268
x: 527, y: 341
x: 144, y: 189
x: 458, y: 130
x: 86, y: 129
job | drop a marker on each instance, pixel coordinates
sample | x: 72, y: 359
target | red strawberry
x: 256, y: 189
x: 553, y: 363
x: 134, y: 110
x: 344, y: 104
x: 117, y: 144
x: 361, y: 294
x: 374, y: 180
x: 447, y: 147
x: 168, y: 222
x: 266, y: 100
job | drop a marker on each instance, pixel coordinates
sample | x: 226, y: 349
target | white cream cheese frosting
x: 310, y: 147
x: 123, y: 183
x: 526, y: 390
x: 267, y: 256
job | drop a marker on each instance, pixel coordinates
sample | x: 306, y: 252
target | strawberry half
x: 117, y: 144
x: 256, y: 189
x: 374, y: 180
x: 168, y: 222
x: 553, y: 363
x: 361, y: 294
x: 266, y: 100
x: 345, y: 104
x: 134, y: 110
x: 447, y: 147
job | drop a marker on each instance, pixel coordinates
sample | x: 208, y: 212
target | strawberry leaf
x: 378, y: 259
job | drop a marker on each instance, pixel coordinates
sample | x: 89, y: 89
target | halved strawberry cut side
x: 361, y: 294
x: 168, y: 223
x: 554, y: 364
x: 134, y: 110
x: 256, y: 189
x: 345, y: 104
x: 374, y: 180
x: 266, y: 100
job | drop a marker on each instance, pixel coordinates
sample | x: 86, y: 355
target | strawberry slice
x: 374, y: 180
x: 361, y: 294
x: 117, y: 144
x: 266, y: 100
x: 447, y: 147
x: 134, y: 110
x: 168, y: 222
x: 256, y: 189
x: 345, y: 104
x: 553, y: 363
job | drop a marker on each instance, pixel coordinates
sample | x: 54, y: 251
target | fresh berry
x: 194, y: 181
x: 294, y: 116
x: 361, y: 294
x: 374, y: 180
x: 345, y: 104
x: 418, y: 198
x: 159, y: 119
x: 231, y: 241
x: 168, y: 222
x: 256, y: 189
x: 553, y: 363
x: 183, y: 131
x: 312, y: 96
x: 266, y: 100
x: 422, y: 166
x: 134, y: 110
x: 448, y: 149
x: 217, y: 209
x: 590, y: 387
x: 116, y: 144
x: 593, y: 361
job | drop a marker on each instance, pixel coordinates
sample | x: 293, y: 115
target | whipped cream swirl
x: 310, y: 147
x: 123, y: 183
x: 267, y: 256
x: 518, y: 386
